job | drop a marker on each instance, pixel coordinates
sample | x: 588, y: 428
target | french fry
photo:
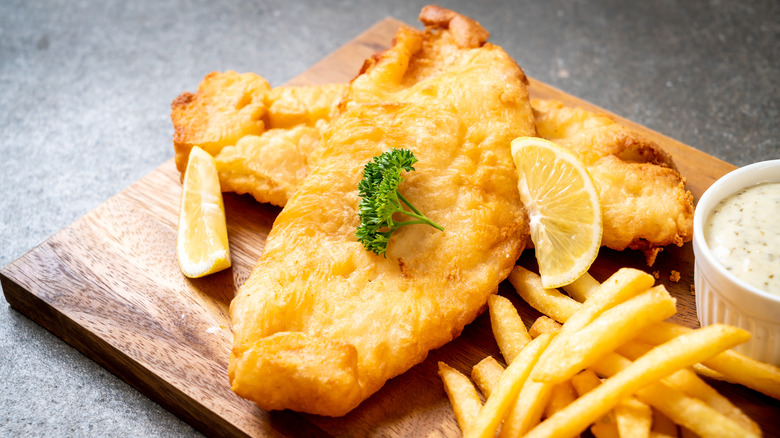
x: 663, y: 425
x: 508, y: 328
x: 548, y: 301
x: 680, y: 408
x: 634, y: 349
x: 735, y: 367
x: 688, y: 382
x: 634, y: 418
x: 582, y: 288
x: 702, y: 370
x: 610, y: 430
x: 692, y: 385
x: 622, y: 285
x: 663, y: 360
x: 585, y: 382
x: 691, y: 413
x: 463, y: 397
x: 505, y: 392
x: 561, y: 395
x: 605, y: 430
x: 753, y: 374
x: 543, y: 324
x: 574, y: 351
x: 527, y: 410
x: 728, y: 365
x: 643, y: 398
x: 486, y: 375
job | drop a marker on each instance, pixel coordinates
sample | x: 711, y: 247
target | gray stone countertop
x: 85, y: 89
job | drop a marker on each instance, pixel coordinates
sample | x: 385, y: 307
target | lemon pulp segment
x: 202, y: 242
x: 563, y: 206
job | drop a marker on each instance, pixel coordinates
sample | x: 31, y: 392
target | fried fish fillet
x: 260, y: 137
x: 644, y: 201
x: 322, y: 323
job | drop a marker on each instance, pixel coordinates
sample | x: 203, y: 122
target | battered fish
x: 260, y: 137
x: 322, y: 323
x: 644, y: 201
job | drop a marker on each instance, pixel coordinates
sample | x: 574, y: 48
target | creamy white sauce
x: 743, y: 232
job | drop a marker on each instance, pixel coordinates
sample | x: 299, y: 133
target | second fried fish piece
x: 644, y: 200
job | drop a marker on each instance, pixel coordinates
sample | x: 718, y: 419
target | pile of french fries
x: 602, y: 358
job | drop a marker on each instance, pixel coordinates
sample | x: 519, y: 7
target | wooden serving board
x: 109, y: 285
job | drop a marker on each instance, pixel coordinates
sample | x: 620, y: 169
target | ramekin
x: 721, y: 297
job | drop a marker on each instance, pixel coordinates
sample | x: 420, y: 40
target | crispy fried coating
x: 644, y: 200
x: 226, y: 107
x: 322, y: 323
x: 260, y: 137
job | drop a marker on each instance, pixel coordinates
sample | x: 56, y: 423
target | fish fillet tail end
x: 319, y: 376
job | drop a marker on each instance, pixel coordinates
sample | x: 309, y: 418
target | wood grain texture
x: 109, y: 285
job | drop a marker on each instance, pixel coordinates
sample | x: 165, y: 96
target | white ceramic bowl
x: 721, y: 297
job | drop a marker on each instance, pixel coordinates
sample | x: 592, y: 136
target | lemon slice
x: 564, y: 208
x: 202, y: 241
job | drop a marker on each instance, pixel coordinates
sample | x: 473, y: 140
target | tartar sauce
x: 743, y: 232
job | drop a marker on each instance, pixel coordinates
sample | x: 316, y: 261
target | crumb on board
x: 674, y: 276
x: 693, y: 289
x: 657, y: 274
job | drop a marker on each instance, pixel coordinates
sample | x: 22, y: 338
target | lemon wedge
x: 202, y: 242
x: 564, y: 209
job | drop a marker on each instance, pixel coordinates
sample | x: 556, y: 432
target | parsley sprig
x: 380, y: 200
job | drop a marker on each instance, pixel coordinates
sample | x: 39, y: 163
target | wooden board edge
x: 113, y: 359
x: 22, y: 295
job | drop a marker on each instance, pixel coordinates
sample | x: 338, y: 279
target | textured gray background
x: 85, y: 89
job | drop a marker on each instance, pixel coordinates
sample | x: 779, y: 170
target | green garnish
x: 380, y: 200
